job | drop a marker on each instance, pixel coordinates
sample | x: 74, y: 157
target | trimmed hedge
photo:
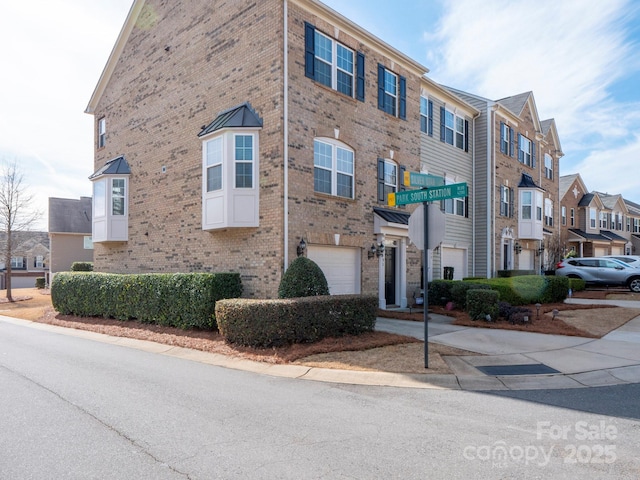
x: 460, y: 289
x: 524, y: 290
x: 481, y: 303
x: 184, y: 300
x: 439, y: 292
x: 303, y: 278
x: 577, y: 284
x: 41, y: 282
x: 82, y: 267
x: 272, y: 323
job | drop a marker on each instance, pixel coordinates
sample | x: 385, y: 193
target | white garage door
x: 340, y: 265
x: 599, y: 252
x: 617, y: 251
x: 455, y: 257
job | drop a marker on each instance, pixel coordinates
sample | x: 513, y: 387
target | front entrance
x: 390, y: 275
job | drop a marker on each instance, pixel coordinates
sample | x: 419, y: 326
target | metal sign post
x: 425, y: 283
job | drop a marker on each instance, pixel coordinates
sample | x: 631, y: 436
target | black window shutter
x: 403, y: 98
x: 503, y: 207
x: 430, y: 119
x: 401, y: 186
x: 466, y: 135
x: 466, y: 206
x: 511, y: 140
x: 360, y: 77
x: 502, y: 138
x: 442, y: 132
x: 533, y: 154
x: 511, y: 205
x: 309, y: 50
x: 380, y: 87
x: 381, y: 180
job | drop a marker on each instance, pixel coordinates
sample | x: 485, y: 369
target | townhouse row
x: 234, y: 136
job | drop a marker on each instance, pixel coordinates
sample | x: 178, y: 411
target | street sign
x: 435, y: 230
x: 433, y: 194
x: 413, y: 179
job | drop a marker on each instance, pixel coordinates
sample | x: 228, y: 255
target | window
x: 573, y: 217
x: 564, y: 215
x: 333, y: 168
x: 426, y: 116
x: 548, y: 166
x: 636, y: 225
x: 392, y: 93
x: 39, y: 261
x: 454, y: 206
x: 99, y: 199
x: 17, y: 262
x: 603, y: 220
x: 628, y: 224
x: 117, y: 196
x: 526, y: 151
x: 592, y: 217
x: 243, y: 161
x: 506, y: 139
x: 213, y: 156
x: 506, y: 201
x: 332, y: 64
x: 87, y: 243
x: 619, y: 221
x: 548, y: 212
x: 102, y: 132
x: 454, y: 129
x: 525, y: 207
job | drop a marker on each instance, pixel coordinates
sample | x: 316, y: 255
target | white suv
x: 602, y: 271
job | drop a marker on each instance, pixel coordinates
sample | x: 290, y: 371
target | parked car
x: 600, y: 271
x: 633, y: 260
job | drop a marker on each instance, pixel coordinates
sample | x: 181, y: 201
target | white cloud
x: 569, y: 53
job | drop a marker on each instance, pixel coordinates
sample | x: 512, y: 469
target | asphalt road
x: 76, y: 409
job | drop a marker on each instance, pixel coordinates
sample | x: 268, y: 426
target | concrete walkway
x: 506, y: 360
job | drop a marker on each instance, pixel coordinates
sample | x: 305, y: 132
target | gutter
x: 285, y: 125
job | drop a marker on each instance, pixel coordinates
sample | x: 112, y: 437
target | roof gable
x: 574, y: 180
x: 68, y: 215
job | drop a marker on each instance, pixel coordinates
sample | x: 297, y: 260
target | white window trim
x: 335, y: 145
x: 219, y: 140
x: 548, y: 169
x: 252, y: 161
x: 334, y: 64
x: 395, y: 95
x: 102, y: 132
x: 424, y: 113
x: 454, y: 204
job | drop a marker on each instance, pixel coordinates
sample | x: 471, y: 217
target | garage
x: 456, y: 258
x: 600, y: 252
x: 340, y: 265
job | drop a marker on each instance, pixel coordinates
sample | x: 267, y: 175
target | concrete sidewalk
x: 506, y: 360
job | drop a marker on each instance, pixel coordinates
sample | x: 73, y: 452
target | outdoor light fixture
x: 302, y: 246
x: 554, y: 313
x: 540, y: 250
x: 375, y: 250
x: 517, y: 248
x: 538, y: 305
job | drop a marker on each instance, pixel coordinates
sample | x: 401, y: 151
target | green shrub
x: 303, y: 278
x: 459, y: 291
x: 481, y: 302
x: 184, y: 300
x: 271, y: 323
x: 82, y: 267
x: 577, y: 284
x: 515, y: 273
x: 524, y: 290
x: 41, y: 282
x: 440, y: 292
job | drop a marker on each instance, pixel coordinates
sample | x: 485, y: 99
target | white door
x: 340, y: 265
x: 456, y: 258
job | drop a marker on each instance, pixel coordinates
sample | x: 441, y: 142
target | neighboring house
x: 223, y: 145
x: 516, y: 202
x: 29, y: 258
x: 595, y: 223
x: 69, y: 233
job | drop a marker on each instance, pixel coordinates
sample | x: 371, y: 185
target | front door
x: 390, y: 275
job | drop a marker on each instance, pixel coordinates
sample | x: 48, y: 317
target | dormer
x: 110, y: 217
x: 230, y: 167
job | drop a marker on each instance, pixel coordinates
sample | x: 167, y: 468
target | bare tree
x: 16, y: 212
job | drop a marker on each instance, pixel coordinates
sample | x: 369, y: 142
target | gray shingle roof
x: 240, y: 116
x: 589, y: 236
x: 527, y: 182
x: 515, y: 103
x: 68, y: 215
x: 392, y: 216
x: 565, y: 182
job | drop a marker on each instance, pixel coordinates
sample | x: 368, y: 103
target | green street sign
x: 433, y: 194
x: 412, y: 179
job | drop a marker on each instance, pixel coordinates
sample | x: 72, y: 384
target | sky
x: 580, y: 58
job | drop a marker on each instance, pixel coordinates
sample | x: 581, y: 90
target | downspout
x: 473, y: 182
x: 490, y: 197
x: 285, y: 125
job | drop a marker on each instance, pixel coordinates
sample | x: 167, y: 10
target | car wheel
x: 634, y: 285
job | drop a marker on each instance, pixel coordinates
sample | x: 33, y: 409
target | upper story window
x: 389, y: 178
x: 392, y: 93
x: 572, y: 218
x: 619, y: 221
x: 592, y: 217
x: 548, y: 212
x: 506, y: 139
x: 426, y: 115
x: 117, y: 196
x: 17, y: 262
x: 526, y: 201
x: 454, y: 129
x: 526, y: 151
x: 333, y: 168
x: 39, y: 261
x: 102, y: 132
x: 455, y: 206
x: 563, y: 214
x: 332, y: 64
x: 110, y: 201
x: 548, y: 166
x: 506, y: 201
x: 603, y: 220
x: 243, y: 159
x: 636, y: 225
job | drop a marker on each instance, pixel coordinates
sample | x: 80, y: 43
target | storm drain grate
x: 529, y: 369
